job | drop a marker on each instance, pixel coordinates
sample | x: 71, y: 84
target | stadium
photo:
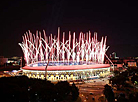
x: 63, y: 59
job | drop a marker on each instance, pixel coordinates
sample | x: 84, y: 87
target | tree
x: 134, y: 79
x: 23, y: 89
x: 116, y: 72
x: 122, y: 98
x: 75, y: 92
x: 108, y: 92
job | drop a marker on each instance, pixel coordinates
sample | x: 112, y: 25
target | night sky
x: 118, y: 20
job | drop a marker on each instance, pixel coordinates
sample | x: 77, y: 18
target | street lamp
x: 21, y: 62
x: 46, y: 67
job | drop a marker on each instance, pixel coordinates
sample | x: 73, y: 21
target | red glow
x: 60, y: 68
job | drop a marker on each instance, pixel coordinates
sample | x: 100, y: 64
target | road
x: 92, y: 89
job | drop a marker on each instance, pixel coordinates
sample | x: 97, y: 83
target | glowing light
x: 86, y: 48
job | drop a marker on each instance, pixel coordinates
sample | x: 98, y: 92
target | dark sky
x: 118, y: 20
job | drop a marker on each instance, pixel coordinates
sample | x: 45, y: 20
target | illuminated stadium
x: 64, y: 59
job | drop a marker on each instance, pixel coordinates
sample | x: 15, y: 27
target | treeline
x: 23, y: 89
x: 125, y: 82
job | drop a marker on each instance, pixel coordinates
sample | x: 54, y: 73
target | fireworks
x: 43, y: 48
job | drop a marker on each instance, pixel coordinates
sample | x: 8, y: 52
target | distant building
x: 3, y: 60
x: 132, y: 64
x: 11, y: 63
x: 14, y: 60
x: 122, y: 62
x: 113, y: 56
